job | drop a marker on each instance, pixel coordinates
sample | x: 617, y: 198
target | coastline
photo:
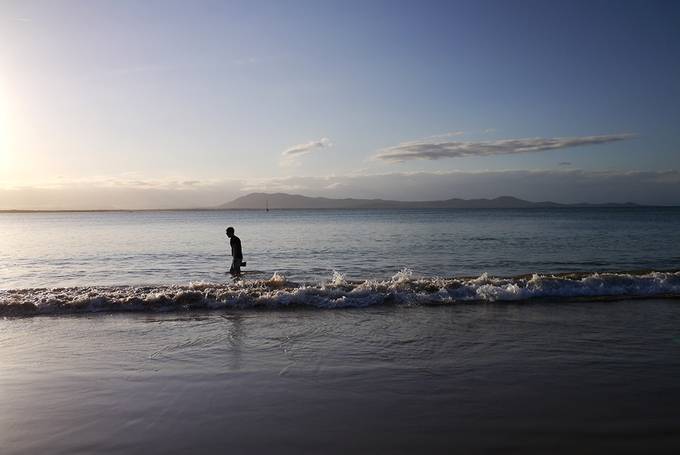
x: 209, y: 209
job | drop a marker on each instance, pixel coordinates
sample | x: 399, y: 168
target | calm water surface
x: 118, y: 248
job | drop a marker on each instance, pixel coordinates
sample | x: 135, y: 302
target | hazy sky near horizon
x: 131, y: 104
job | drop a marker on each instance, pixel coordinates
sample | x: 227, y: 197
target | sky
x: 176, y: 104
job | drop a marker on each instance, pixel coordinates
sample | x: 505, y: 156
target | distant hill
x: 258, y: 201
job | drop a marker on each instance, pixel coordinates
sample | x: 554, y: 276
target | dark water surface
x: 525, y: 378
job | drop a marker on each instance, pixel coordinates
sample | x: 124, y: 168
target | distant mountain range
x: 259, y: 201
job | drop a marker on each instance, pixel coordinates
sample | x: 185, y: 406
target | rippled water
x: 537, y: 378
x: 129, y: 248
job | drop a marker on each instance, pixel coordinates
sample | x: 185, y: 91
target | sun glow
x: 5, y: 132
x: 17, y: 165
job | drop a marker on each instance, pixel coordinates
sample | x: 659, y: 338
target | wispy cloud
x: 303, y: 149
x: 560, y: 185
x: 245, y: 61
x: 128, y: 181
x: 444, y: 135
x: 435, y: 149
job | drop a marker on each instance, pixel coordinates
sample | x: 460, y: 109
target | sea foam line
x: 277, y: 292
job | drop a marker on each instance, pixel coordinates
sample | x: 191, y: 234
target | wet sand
x: 524, y: 378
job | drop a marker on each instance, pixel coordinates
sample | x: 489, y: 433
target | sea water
x: 528, y: 331
x: 121, y: 260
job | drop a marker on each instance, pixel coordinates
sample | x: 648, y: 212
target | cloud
x: 303, y: 149
x: 559, y: 185
x: 118, y: 192
x: 435, y: 150
x: 449, y: 134
x: 245, y: 61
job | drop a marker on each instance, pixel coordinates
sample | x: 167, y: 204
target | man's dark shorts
x: 236, y: 266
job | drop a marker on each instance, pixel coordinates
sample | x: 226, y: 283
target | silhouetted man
x: 236, y: 252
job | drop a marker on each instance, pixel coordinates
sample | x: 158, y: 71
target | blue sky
x: 192, y: 103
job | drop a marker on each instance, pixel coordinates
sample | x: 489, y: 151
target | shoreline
x: 570, y: 207
x: 401, y: 290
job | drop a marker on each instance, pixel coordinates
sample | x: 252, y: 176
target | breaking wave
x: 277, y: 292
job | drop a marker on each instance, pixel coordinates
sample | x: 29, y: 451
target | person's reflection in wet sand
x: 235, y: 335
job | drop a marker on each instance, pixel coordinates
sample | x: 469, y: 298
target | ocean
x: 372, y: 331
x: 465, y: 254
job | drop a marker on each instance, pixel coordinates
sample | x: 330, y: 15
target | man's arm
x: 238, y: 253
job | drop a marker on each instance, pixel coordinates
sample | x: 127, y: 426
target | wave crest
x: 277, y: 292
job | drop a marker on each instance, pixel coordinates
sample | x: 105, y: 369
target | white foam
x: 277, y: 291
x: 338, y: 279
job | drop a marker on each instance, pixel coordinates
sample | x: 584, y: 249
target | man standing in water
x: 236, y: 252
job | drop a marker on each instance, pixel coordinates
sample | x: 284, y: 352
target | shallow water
x: 176, y: 261
x: 133, y: 248
x: 528, y: 378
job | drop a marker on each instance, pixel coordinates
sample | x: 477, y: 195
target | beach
x: 519, y: 378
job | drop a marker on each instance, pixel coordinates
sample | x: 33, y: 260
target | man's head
x: 230, y: 231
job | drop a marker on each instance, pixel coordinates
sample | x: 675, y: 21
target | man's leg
x: 236, y: 266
